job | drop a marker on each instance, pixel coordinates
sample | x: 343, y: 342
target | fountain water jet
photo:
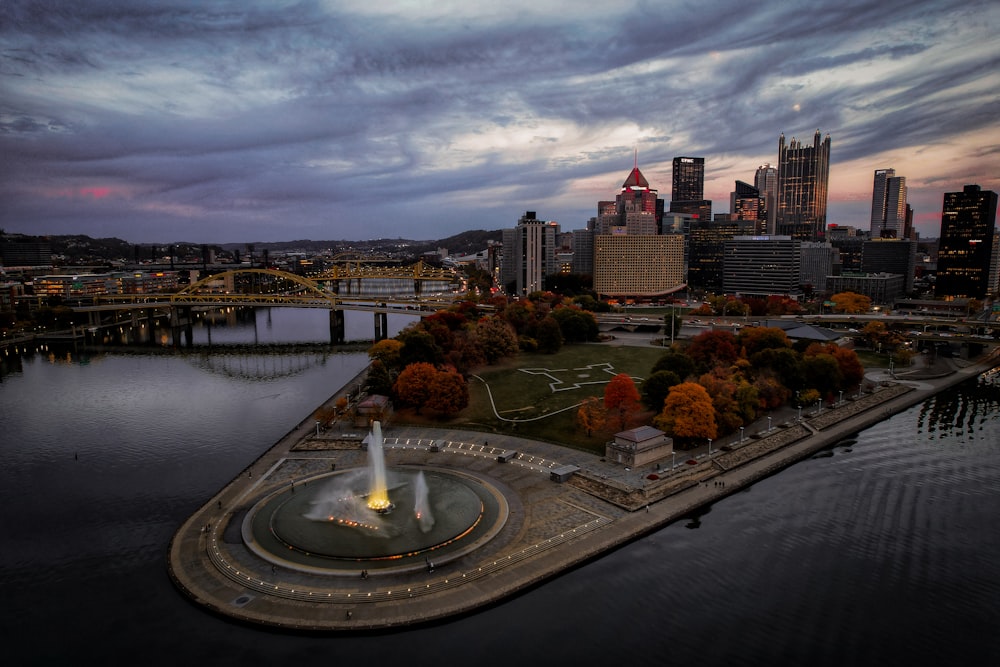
x: 421, y: 504
x: 378, y: 494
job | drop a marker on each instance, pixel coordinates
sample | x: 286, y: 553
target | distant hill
x: 83, y: 249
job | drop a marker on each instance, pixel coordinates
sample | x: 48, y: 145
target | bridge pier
x: 381, y: 326
x: 180, y: 320
x: 337, y: 333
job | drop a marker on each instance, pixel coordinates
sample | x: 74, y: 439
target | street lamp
x: 800, y: 412
x: 741, y: 435
x: 768, y: 424
x: 841, y: 397
x: 317, y: 428
x: 673, y: 461
x: 819, y: 405
x: 709, y: 446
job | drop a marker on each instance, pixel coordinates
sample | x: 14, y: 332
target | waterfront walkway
x: 552, y: 525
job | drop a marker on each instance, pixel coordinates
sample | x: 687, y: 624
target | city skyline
x: 262, y: 122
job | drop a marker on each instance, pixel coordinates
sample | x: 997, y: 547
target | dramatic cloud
x: 171, y: 120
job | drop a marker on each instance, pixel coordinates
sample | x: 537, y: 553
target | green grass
x: 542, y: 413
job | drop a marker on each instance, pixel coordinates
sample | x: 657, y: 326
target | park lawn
x: 522, y: 388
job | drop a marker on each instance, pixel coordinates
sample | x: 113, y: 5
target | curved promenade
x: 552, y: 525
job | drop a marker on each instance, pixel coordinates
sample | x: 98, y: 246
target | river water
x: 884, y: 550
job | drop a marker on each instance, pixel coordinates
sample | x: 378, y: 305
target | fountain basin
x: 325, y: 526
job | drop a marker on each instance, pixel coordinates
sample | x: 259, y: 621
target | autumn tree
x: 449, y: 392
x: 387, y: 351
x: 752, y: 340
x: 687, y: 416
x: 414, y: 384
x: 496, y: 337
x: 722, y: 390
x: 851, y: 303
x: 713, y: 348
x: 621, y: 398
x: 590, y: 416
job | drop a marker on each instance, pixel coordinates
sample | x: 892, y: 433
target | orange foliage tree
x: 413, y: 386
x: 712, y: 348
x: 621, y: 397
x: 688, y: 416
x: 590, y: 416
x: 449, y: 393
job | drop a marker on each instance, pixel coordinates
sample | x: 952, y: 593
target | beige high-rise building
x: 638, y: 266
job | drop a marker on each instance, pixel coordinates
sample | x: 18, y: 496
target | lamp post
x: 317, y: 428
x: 800, y: 412
x: 841, y: 397
x: 768, y: 424
x: 673, y: 461
x: 709, y: 446
x: 741, y: 435
x: 819, y: 405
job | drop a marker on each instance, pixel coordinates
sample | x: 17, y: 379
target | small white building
x: 639, y: 446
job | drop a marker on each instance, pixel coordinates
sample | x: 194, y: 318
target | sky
x: 159, y: 121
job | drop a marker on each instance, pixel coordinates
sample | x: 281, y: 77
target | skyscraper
x: 631, y: 257
x: 746, y: 203
x: 889, y: 208
x: 529, y: 254
x: 803, y: 182
x: 688, y: 179
x: 965, y: 246
x: 688, y: 193
x: 636, y: 210
x: 766, y: 182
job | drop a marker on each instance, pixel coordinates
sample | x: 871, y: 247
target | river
x: 883, y: 550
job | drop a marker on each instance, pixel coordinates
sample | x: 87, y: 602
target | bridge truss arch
x: 299, y: 291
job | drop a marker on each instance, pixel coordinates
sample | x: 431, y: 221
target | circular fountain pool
x: 327, y: 526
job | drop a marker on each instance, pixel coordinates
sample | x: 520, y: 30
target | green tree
x: 418, y: 347
x: 548, y: 335
x: 576, y: 325
x: 656, y: 387
x: 676, y: 362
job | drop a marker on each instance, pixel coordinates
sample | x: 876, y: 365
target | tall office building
x: 529, y: 254
x: 965, y: 246
x: 746, y: 203
x: 688, y: 194
x: 631, y: 258
x: 889, y: 210
x: 766, y: 182
x: 688, y: 179
x: 637, y: 209
x: 803, y: 183
x: 762, y: 266
x: 889, y: 255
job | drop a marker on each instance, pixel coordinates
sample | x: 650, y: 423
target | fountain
x: 378, y: 495
x: 351, y: 519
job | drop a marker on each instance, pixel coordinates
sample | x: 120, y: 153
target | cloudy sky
x: 254, y: 120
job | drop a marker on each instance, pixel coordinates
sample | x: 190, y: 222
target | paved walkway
x: 552, y: 526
